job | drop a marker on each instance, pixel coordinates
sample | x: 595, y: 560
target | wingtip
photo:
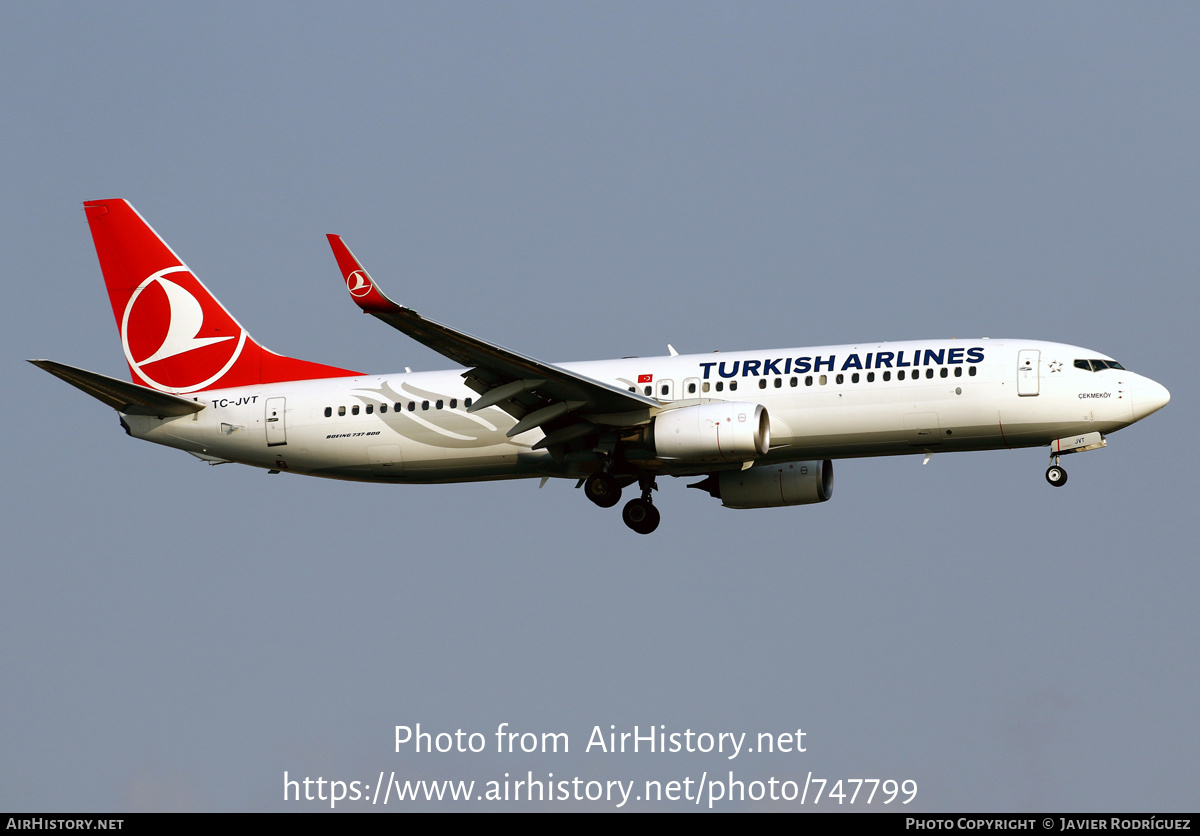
x: 359, y: 283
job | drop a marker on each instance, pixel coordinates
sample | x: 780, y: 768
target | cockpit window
x: 1098, y: 365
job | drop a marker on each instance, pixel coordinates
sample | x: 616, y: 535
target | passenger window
x: 887, y: 376
x: 691, y: 388
x: 900, y: 375
x: 467, y: 403
x: 396, y: 407
x: 779, y: 382
x: 808, y: 380
x: 841, y: 378
x: 633, y: 389
x: 454, y: 403
x: 439, y: 404
x: 704, y: 386
x: 329, y: 412
x: 664, y: 389
x: 424, y: 405
x: 958, y: 371
x: 854, y: 378
x: 824, y: 380
x: 762, y: 384
x: 354, y: 409
x: 383, y: 407
x: 370, y: 408
x: 929, y: 373
x: 733, y: 386
x: 971, y: 371
x: 720, y: 385
x: 341, y: 410
x: 870, y: 377
x: 647, y: 390
x: 945, y: 371
x: 412, y: 405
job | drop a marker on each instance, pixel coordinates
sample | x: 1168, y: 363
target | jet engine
x: 772, y: 486
x: 726, y: 431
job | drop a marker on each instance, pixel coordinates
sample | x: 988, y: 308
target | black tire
x: 1056, y: 476
x: 602, y: 489
x: 640, y: 515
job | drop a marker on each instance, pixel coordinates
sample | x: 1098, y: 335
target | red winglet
x: 362, y: 287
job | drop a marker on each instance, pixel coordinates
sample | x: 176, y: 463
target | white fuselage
x: 955, y: 395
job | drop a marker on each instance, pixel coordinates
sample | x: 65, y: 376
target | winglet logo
x: 359, y: 283
x: 176, y: 337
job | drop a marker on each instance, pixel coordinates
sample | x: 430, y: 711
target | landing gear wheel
x: 640, y: 515
x: 602, y: 489
x: 1056, y: 476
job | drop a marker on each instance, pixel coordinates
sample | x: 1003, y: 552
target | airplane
x: 760, y: 429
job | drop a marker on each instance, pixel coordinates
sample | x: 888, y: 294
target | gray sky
x: 581, y: 181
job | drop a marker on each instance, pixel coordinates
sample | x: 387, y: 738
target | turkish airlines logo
x: 176, y: 336
x: 359, y: 283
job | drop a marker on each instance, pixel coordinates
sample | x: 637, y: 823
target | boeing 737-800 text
x: 760, y: 428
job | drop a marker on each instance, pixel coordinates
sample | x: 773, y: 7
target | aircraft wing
x: 537, y: 394
x: 121, y: 395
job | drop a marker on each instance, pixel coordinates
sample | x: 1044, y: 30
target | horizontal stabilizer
x: 121, y: 395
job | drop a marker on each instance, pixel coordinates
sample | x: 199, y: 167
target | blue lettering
x: 750, y: 367
x: 819, y: 362
x: 803, y: 364
x: 900, y: 360
x: 974, y: 355
x: 868, y: 360
x: 955, y: 355
x: 707, y: 368
x: 771, y: 366
x: 721, y: 370
x: 883, y: 360
x: 852, y: 362
x: 937, y: 356
x: 787, y: 369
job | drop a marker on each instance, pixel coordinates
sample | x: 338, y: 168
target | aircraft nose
x: 1148, y: 397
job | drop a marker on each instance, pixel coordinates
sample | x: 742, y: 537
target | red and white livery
x: 760, y: 428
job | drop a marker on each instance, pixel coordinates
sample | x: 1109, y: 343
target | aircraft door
x: 1028, y: 369
x: 276, y: 423
x: 386, y: 459
x: 691, y: 387
x: 666, y: 390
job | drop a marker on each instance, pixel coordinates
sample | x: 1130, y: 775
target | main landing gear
x: 1055, y: 474
x: 639, y: 514
x: 602, y: 489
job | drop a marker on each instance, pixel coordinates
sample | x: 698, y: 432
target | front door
x: 1027, y: 372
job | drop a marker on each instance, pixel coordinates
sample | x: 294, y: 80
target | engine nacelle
x: 725, y: 431
x: 772, y: 486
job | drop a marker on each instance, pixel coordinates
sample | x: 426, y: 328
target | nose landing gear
x: 1055, y: 474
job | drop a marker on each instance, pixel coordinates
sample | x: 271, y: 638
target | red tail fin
x: 176, y: 335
